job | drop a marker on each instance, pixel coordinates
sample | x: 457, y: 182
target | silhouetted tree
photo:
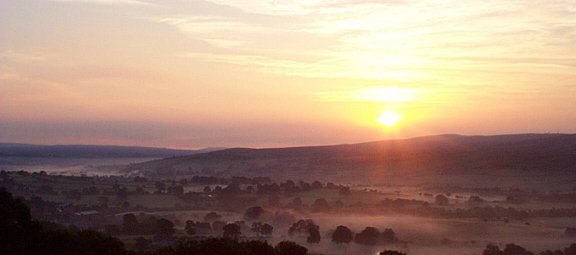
x: 302, y: 227
x: 266, y: 229
x: 344, y: 191
x: 368, y: 236
x: 314, y: 235
x: 160, y: 187
x: 19, y: 234
x: 190, y: 227
x: 290, y: 248
x: 441, y: 200
x: 388, y: 252
x: 129, y: 222
x: 297, y: 202
x: 254, y: 213
x: 342, y: 234
x: 387, y: 236
x: 320, y: 205
x: 513, y: 249
x: 164, y: 230
x: 571, y: 250
x: 231, y: 231
x: 142, y: 243
x: 17, y: 230
x: 316, y: 185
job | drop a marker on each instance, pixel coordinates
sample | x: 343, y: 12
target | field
x: 398, y: 207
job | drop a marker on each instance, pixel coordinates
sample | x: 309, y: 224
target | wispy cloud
x: 107, y: 2
x: 398, y: 40
x: 15, y: 56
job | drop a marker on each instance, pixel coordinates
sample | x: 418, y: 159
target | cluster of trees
x: 225, y: 246
x: 208, y: 180
x: 162, y: 229
x: 22, y: 235
x: 308, y: 228
x: 369, y: 236
x: 513, y: 249
x: 422, y: 208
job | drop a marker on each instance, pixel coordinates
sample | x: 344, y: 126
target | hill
x: 524, y: 154
x: 89, y: 151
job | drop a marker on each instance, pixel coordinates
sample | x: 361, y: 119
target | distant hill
x: 437, y: 155
x: 90, y: 151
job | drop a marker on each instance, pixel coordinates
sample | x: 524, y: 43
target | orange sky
x: 193, y: 74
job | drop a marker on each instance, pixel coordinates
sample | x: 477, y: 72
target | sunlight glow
x: 385, y: 94
x: 389, y: 118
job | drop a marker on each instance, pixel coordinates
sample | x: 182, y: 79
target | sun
x: 389, y: 118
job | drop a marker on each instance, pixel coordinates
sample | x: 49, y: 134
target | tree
x: 164, y: 230
x: 130, y: 223
x: 290, y: 248
x: 320, y: 205
x: 476, y: 199
x: 254, y: 213
x: 19, y: 234
x: 344, y: 191
x: 441, y: 200
x: 262, y: 229
x: 342, y: 234
x: 231, y: 231
x: 266, y: 229
x: 389, y: 252
x: 570, y: 250
x: 160, y: 187
x: 314, y: 235
x: 368, y: 236
x: 17, y: 230
x: 388, y: 236
x: 297, y: 202
x: 512, y: 249
x: 302, y: 227
x: 256, y: 226
x: 257, y: 247
x: 316, y: 185
x: 207, y: 189
x: 492, y: 250
x: 190, y: 227
x: 142, y: 243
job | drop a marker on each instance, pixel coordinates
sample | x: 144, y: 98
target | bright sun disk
x: 389, y: 118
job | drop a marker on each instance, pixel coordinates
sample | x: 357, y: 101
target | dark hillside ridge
x: 89, y: 151
x: 442, y: 154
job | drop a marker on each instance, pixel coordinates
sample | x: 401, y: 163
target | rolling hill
x: 89, y: 151
x: 520, y: 154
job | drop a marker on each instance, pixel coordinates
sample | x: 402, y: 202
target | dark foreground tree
x: 570, y: 250
x: 509, y: 249
x: 388, y: 252
x: 19, y: 234
x: 290, y: 248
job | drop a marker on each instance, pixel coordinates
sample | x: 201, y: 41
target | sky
x: 269, y: 73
